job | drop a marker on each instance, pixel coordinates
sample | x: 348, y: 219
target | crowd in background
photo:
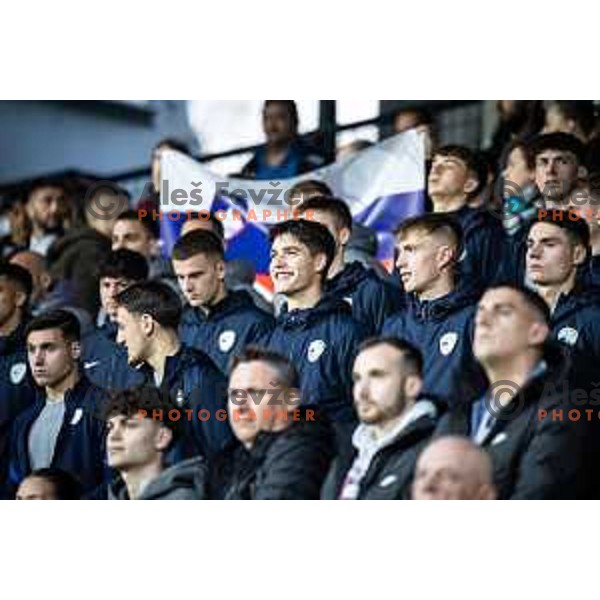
x: 468, y: 372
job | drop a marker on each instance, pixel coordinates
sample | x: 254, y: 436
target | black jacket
x: 533, y: 457
x: 286, y: 465
x: 371, y: 298
x: 390, y: 472
x: 77, y: 257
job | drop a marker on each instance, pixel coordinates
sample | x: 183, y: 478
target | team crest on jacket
x: 77, y: 415
x: 448, y: 342
x: 17, y: 373
x: 315, y: 349
x: 568, y: 335
x: 226, y: 340
x: 348, y: 301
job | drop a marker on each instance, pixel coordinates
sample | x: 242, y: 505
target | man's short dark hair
x: 580, y: 111
x: 337, y: 208
x: 532, y: 298
x: 124, y: 264
x: 217, y: 224
x: 66, y: 486
x: 572, y: 223
x: 152, y: 226
x: 432, y: 224
x: 290, y: 107
x: 411, y: 355
x: 286, y: 372
x: 310, y: 186
x: 64, y: 320
x: 18, y: 275
x: 197, y: 242
x: 155, y: 402
x: 559, y: 142
x: 152, y: 298
x: 472, y: 160
x: 45, y: 182
x: 314, y: 236
x: 525, y: 145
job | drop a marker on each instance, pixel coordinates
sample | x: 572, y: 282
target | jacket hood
x: 305, y: 318
x: 440, y: 308
x: 232, y: 303
x: 183, y: 481
x: 74, y: 237
x: 581, y: 297
x: 348, y: 278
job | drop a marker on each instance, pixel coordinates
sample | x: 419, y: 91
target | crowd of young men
x: 468, y: 373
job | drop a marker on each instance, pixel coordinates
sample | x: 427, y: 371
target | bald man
x: 453, y: 468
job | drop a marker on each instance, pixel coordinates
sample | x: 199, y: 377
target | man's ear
x: 579, y: 254
x: 321, y: 262
x: 344, y: 235
x: 412, y: 386
x: 470, y: 184
x: 582, y: 172
x: 147, y: 324
x: 76, y: 350
x: 538, y: 333
x: 164, y: 436
x: 446, y: 256
x: 220, y: 269
x: 21, y: 299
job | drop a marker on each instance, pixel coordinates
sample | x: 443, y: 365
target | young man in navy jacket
x: 371, y: 298
x: 316, y: 332
x: 63, y: 428
x: 16, y: 386
x: 218, y: 321
x: 100, y: 351
x: 439, y: 316
x: 148, y: 315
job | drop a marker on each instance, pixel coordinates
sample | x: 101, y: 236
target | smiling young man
x: 438, y: 319
x: 218, y: 321
x: 317, y: 332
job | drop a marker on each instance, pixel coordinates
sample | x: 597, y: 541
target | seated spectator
x: 532, y: 457
x: 317, y: 332
x: 16, y: 386
x: 37, y: 222
x: 557, y: 257
x: 453, y: 468
x: 439, y: 316
x: 77, y: 256
x: 218, y: 321
x: 457, y: 175
x: 61, y: 429
x: 520, y: 194
x: 148, y: 315
x: 141, y: 235
x: 140, y: 432
x: 284, y: 155
x: 283, y: 450
x: 362, y: 245
x: 104, y: 361
x: 370, y: 298
x: 206, y: 222
x: 393, y: 425
x: 421, y: 120
x: 585, y: 202
x: 49, y: 484
x: 575, y: 117
x: 557, y: 160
